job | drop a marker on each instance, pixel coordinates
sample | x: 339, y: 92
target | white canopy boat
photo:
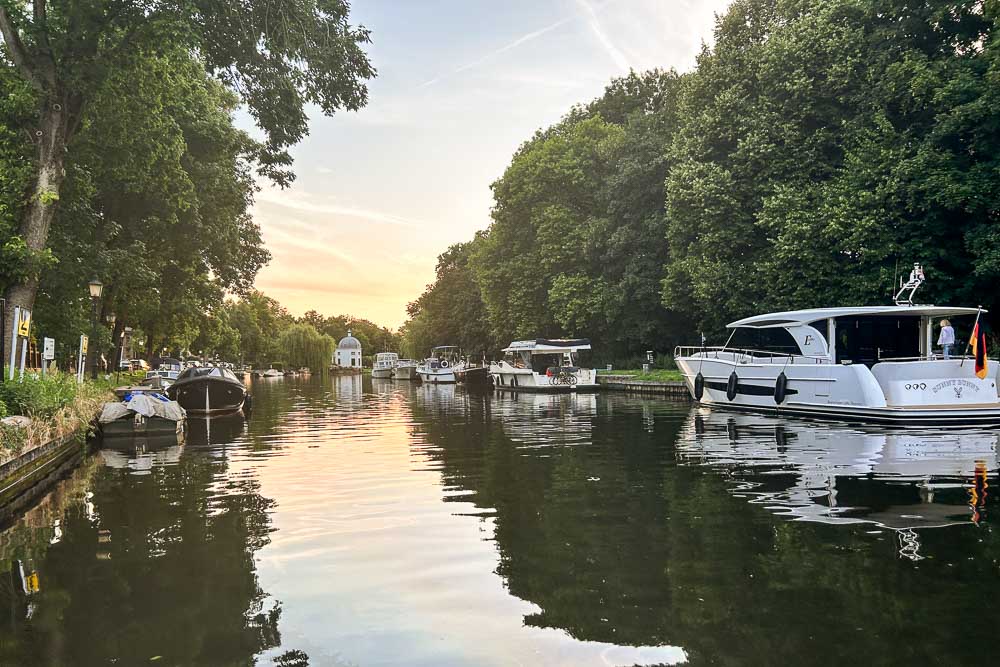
x: 870, y: 363
x: 439, y: 367
x: 544, y: 364
x: 385, y: 364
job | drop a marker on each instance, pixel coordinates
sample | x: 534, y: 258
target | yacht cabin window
x: 776, y: 340
x: 540, y: 363
x: 870, y: 339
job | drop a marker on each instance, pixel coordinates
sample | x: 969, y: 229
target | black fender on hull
x: 732, y: 386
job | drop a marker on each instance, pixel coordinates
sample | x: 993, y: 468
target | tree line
x: 120, y: 159
x: 817, y: 149
x: 258, y: 331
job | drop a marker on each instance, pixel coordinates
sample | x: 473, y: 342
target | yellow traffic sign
x: 24, y: 323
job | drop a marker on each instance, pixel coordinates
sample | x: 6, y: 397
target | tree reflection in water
x: 617, y: 537
x: 158, y: 565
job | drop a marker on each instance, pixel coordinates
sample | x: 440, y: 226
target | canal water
x: 357, y: 523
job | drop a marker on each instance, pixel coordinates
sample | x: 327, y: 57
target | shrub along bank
x: 55, y: 405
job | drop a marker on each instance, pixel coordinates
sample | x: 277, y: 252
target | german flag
x: 978, y: 343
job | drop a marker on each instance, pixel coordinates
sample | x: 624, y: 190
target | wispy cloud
x: 308, y: 243
x: 287, y: 200
x: 595, y: 26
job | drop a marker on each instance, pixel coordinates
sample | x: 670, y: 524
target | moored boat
x: 385, y: 364
x: 473, y: 376
x: 544, y: 364
x: 142, y: 414
x: 868, y: 363
x: 160, y: 378
x: 208, y: 391
x: 439, y: 367
x: 406, y: 369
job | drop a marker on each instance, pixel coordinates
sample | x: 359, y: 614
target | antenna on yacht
x: 910, y: 287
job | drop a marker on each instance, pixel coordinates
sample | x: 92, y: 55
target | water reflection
x: 140, y: 454
x: 429, y: 525
x: 901, y: 480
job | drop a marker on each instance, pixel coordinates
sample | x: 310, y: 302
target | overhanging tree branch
x: 18, y: 52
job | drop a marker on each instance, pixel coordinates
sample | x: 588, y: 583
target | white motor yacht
x: 439, y: 367
x: 406, y: 369
x: 544, y: 364
x: 870, y: 363
x: 385, y: 364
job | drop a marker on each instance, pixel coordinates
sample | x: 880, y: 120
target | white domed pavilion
x: 348, y: 354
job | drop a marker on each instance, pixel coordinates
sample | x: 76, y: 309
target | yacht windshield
x: 768, y: 341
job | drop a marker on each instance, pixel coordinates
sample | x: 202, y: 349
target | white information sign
x: 48, y: 349
x: 81, y: 359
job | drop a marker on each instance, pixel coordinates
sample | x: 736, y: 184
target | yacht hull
x: 381, y: 373
x: 405, y: 373
x: 907, y: 394
x: 510, y: 378
x: 436, y: 375
x: 208, y: 395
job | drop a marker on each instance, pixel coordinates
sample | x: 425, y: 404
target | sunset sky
x: 381, y: 192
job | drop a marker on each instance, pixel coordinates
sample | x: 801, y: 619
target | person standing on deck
x: 947, y: 338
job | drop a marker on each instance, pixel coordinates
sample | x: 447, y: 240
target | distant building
x: 348, y: 354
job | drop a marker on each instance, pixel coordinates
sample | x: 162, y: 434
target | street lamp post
x: 96, y: 289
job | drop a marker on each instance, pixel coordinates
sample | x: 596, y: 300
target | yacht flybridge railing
x: 927, y: 357
x: 748, y: 354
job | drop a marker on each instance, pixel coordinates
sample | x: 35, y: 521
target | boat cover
x: 563, y: 342
x: 145, y: 405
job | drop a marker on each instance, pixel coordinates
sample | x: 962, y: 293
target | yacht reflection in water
x: 546, y: 420
x: 900, y: 480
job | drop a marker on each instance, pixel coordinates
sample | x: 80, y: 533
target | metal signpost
x: 23, y: 329
x: 3, y: 335
x: 48, y: 352
x: 15, y: 328
x: 81, y: 359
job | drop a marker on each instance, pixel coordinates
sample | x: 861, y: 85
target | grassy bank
x: 55, y: 405
x: 654, y: 375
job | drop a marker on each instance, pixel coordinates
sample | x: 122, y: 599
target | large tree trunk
x: 51, y: 138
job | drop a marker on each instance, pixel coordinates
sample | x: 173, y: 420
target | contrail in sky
x: 602, y: 37
x: 503, y: 49
x: 530, y: 36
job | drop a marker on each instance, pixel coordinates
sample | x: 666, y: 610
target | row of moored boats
x: 539, y: 364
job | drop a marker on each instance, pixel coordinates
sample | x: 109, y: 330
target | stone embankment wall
x: 629, y: 383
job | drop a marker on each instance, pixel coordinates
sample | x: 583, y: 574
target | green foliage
x: 312, y: 56
x: 654, y: 375
x: 149, y: 182
x: 302, y: 346
x: 38, y: 396
x: 451, y: 311
x: 13, y: 438
x: 827, y: 144
x: 156, y: 203
x: 818, y: 148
